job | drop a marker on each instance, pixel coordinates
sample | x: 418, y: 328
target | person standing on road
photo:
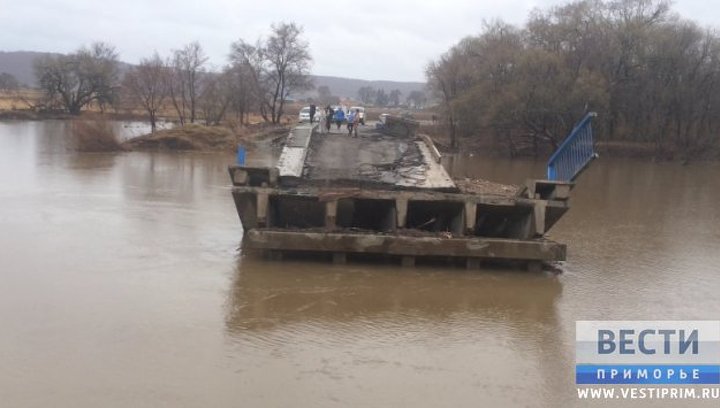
x: 350, y: 122
x: 339, y: 117
x: 328, y: 117
x: 321, y: 121
x: 356, y: 122
x: 313, y: 108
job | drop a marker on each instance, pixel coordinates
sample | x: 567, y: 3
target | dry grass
x: 96, y: 135
x: 22, y: 99
x: 207, y: 138
x: 188, y: 137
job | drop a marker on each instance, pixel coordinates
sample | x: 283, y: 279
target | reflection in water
x: 353, y: 322
x: 120, y: 285
x: 269, y: 294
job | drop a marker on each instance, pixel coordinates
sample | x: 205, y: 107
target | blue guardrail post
x: 240, y: 155
x: 574, y: 154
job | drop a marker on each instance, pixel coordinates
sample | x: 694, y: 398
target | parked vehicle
x: 304, y: 115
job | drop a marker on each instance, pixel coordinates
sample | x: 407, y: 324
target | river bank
x: 622, y: 149
x: 208, y: 138
x: 30, y: 114
x: 103, y: 135
x: 229, y: 134
x: 97, y: 132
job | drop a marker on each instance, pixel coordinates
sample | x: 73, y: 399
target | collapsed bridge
x: 385, y: 194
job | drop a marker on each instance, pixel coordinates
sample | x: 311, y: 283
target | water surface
x: 121, y: 284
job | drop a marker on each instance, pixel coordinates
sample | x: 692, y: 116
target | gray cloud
x: 369, y: 39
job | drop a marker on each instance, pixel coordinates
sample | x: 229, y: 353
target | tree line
x: 652, y: 76
x: 8, y: 83
x: 258, y: 77
x: 379, y: 97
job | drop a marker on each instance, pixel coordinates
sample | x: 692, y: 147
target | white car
x: 362, y: 113
x: 304, y: 115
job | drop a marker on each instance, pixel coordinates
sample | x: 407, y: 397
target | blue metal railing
x: 574, y: 154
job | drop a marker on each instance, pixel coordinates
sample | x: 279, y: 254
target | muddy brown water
x: 121, y: 285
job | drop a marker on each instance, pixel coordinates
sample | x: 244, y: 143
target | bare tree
x: 366, y: 94
x: 241, y: 83
x: 11, y: 87
x: 289, y: 60
x: 440, y: 76
x: 394, y: 97
x: 381, y: 98
x: 324, y: 95
x: 81, y: 78
x: 280, y: 66
x: 8, y: 83
x: 247, y: 62
x: 148, y: 85
x: 187, y: 68
x: 216, y: 96
x: 416, y: 99
x: 653, y: 77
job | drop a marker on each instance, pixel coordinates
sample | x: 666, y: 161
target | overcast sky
x: 367, y: 39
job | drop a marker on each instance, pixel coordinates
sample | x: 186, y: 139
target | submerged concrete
x: 402, y: 245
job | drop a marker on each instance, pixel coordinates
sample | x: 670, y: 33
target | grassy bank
x: 98, y: 135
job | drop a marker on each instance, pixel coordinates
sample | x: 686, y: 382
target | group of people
x: 329, y: 115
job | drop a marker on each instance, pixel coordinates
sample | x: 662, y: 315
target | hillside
x: 20, y: 65
x: 347, y: 87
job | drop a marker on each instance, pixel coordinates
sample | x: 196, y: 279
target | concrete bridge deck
x: 375, y: 158
x: 372, y: 159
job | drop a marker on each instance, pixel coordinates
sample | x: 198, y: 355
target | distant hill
x: 20, y: 65
x: 348, y: 88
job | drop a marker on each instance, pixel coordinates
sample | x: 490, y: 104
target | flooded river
x: 121, y: 285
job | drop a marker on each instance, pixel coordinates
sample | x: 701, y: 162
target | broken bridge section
x: 375, y: 159
x: 385, y: 193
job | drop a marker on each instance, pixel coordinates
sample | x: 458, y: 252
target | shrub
x: 94, y: 135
